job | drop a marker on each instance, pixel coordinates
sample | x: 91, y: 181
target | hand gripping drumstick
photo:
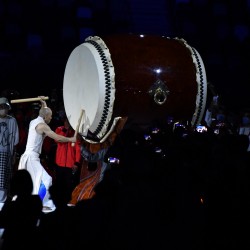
x: 77, y: 126
x: 29, y: 99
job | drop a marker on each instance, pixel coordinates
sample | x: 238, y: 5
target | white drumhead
x: 89, y: 85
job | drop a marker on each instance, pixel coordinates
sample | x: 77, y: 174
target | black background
x: 37, y: 37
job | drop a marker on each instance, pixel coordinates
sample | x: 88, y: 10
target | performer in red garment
x: 67, y: 158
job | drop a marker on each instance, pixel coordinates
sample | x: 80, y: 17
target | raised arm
x: 43, y: 102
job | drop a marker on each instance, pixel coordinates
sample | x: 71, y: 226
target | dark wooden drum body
x: 145, y: 78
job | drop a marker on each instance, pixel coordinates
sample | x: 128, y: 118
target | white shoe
x: 48, y: 206
x: 47, y: 209
x: 70, y: 205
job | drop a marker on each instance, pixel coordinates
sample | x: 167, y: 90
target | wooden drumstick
x: 77, y: 126
x: 29, y: 99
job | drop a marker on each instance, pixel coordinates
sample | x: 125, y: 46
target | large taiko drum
x: 145, y: 78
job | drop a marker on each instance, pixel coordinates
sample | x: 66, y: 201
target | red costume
x: 66, y: 154
x: 67, y: 158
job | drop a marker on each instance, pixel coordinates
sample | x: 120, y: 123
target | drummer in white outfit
x: 38, y: 130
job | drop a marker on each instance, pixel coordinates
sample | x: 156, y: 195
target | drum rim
x: 201, y: 80
x: 109, y: 94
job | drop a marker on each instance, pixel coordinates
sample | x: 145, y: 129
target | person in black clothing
x: 56, y: 227
x: 21, y: 213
